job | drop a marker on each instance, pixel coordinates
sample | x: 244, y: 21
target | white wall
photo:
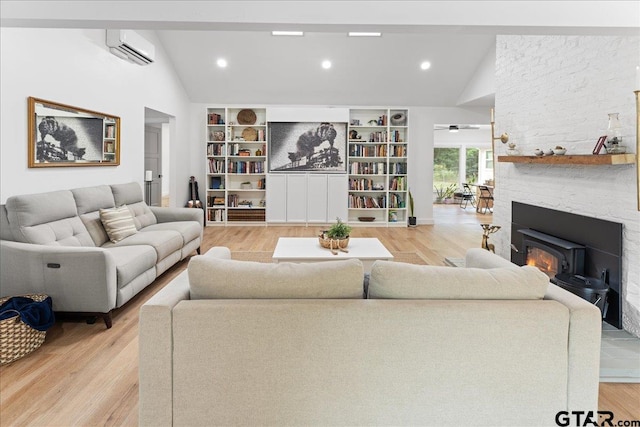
x: 74, y: 67
x: 557, y: 90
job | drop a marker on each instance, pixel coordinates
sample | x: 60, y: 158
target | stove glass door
x: 544, y: 260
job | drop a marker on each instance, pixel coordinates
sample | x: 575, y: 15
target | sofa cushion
x: 189, y: 230
x: 396, y: 280
x: 89, y: 201
x: 132, y: 261
x: 220, y: 278
x: 165, y: 242
x: 130, y: 194
x: 118, y: 223
x: 47, y: 219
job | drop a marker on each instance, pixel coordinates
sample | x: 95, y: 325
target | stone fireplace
x: 580, y: 254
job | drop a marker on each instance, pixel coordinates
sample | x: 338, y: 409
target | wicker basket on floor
x: 17, y: 339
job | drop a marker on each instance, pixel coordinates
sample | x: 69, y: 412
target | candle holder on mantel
x: 637, y: 92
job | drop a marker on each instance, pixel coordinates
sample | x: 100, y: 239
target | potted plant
x: 439, y: 193
x: 336, y: 237
x: 449, y: 192
x: 412, y: 219
x: 443, y: 193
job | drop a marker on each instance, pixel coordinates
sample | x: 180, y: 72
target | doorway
x: 462, y: 154
x: 156, y: 155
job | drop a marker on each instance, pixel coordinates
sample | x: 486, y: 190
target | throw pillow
x: 118, y: 223
x: 232, y: 279
x: 395, y: 280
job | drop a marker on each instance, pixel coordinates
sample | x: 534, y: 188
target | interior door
x: 153, y: 162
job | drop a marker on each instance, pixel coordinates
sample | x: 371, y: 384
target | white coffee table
x: 308, y: 249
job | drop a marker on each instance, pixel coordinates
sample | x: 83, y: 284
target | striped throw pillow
x: 118, y: 223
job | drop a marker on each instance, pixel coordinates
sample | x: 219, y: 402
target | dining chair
x: 485, y: 200
x: 467, y: 196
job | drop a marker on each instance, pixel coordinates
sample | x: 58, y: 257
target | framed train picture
x: 62, y: 135
x: 319, y: 147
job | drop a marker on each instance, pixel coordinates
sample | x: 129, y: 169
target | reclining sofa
x: 243, y: 343
x: 55, y: 243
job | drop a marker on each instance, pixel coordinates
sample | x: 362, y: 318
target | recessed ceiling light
x: 287, y: 33
x: 425, y: 65
x: 326, y: 64
x: 364, y: 34
x: 222, y: 63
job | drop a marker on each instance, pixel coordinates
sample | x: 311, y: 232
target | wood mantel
x: 573, y: 159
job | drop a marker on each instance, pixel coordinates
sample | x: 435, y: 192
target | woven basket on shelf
x: 17, y: 339
x: 246, y: 117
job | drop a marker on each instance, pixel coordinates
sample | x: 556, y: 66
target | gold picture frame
x: 61, y: 135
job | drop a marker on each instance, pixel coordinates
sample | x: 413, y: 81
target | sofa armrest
x: 155, y: 340
x: 80, y: 279
x: 178, y: 214
x: 585, y: 333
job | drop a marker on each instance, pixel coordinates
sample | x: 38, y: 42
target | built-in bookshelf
x: 377, y: 147
x: 236, y: 165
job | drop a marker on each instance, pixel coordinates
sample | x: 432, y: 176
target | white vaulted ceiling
x: 457, y: 37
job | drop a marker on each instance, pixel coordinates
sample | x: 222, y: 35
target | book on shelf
x: 397, y: 183
x: 216, y: 166
x: 216, y: 182
x: 214, y: 119
x: 216, y: 149
x: 246, y: 167
x: 216, y: 215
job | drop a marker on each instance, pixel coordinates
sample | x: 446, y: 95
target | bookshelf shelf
x: 235, y: 154
x: 378, y: 165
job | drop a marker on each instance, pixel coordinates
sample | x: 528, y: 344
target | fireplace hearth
x: 580, y: 254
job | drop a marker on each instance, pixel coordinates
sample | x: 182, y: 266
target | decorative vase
x: 614, y: 134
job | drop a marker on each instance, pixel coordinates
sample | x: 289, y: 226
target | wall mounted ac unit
x: 129, y: 45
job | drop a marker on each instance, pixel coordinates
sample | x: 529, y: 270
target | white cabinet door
x: 276, y: 198
x: 337, y: 197
x: 296, y: 198
x: 317, y: 198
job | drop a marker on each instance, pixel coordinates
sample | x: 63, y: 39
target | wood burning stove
x: 551, y: 254
x: 581, y: 254
x: 563, y: 262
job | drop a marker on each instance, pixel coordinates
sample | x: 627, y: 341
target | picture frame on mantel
x: 61, y: 135
x: 600, y: 144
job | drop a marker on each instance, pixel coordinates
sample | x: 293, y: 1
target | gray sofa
x: 241, y: 343
x: 55, y: 243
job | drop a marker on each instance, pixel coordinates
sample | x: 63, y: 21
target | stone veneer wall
x: 558, y: 90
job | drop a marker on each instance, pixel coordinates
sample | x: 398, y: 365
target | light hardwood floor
x: 86, y: 375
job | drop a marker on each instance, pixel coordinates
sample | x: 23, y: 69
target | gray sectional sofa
x: 55, y: 243
x: 243, y: 343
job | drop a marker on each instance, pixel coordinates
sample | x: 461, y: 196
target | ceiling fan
x: 455, y: 128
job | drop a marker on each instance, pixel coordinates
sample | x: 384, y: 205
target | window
x: 488, y: 159
x: 446, y: 166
